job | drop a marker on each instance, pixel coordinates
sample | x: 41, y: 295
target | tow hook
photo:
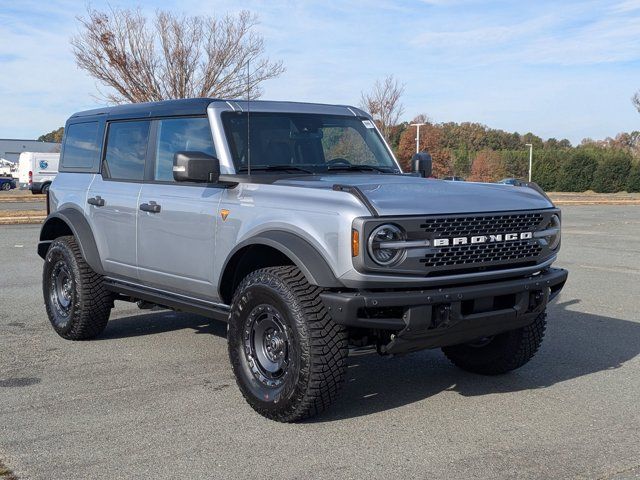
x: 535, y: 299
x: 441, y: 315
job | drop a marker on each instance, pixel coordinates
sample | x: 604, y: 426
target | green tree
x: 612, y: 172
x: 547, y: 164
x: 516, y: 163
x: 633, y: 182
x: 53, y: 136
x: 576, y: 174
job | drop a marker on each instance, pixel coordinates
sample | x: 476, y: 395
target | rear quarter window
x: 81, y: 147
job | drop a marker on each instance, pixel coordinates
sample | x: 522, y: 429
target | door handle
x: 98, y: 201
x: 152, y: 207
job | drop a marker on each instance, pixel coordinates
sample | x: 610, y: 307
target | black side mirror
x: 195, y: 167
x: 421, y: 163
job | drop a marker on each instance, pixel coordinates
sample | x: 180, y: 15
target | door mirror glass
x: 421, y: 163
x: 195, y: 167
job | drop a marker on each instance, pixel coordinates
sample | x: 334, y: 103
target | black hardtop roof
x: 198, y: 106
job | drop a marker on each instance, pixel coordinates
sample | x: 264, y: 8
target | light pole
x: 530, y: 158
x: 417, y: 125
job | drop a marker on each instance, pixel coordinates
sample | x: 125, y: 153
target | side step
x: 174, y: 301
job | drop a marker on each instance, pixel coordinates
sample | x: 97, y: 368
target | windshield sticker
x: 368, y: 123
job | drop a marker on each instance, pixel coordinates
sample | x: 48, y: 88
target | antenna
x: 248, y: 125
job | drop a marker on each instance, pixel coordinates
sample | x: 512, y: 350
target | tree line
x: 479, y: 153
x: 139, y: 58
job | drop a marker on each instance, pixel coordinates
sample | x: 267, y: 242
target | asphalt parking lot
x: 154, y: 396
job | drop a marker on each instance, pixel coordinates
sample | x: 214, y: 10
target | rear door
x: 176, y: 228
x: 112, y: 202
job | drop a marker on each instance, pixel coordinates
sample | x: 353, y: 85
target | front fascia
x: 411, y: 270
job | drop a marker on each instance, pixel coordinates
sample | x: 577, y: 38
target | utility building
x: 10, y: 149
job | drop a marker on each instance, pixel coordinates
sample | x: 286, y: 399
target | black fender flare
x: 304, y: 255
x: 77, y: 223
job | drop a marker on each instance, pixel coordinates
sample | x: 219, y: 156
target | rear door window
x: 81, y: 146
x: 177, y: 135
x: 126, y: 150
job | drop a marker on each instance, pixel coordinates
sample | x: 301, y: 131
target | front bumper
x: 439, y: 317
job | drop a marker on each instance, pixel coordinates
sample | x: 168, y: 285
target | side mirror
x: 421, y: 163
x: 195, y: 167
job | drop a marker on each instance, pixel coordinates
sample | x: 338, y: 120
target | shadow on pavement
x: 576, y: 344
x: 160, y: 321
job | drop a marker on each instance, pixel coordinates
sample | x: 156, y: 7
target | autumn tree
x: 383, y: 103
x: 488, y: 166
x: 172, y: 56
x: 430, y: 141
x: 53, y: 136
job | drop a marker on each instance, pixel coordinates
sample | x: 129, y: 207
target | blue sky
x: 563, y: 69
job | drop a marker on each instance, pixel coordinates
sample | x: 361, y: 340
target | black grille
x: 493, y: 224
x: 516, y: 251
x: 482, y: 256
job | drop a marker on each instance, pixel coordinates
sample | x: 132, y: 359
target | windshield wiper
x: 275, y: 168
x: 370, y: 168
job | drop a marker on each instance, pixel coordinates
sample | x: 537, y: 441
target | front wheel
x: 288, y: 356
x: 500, y: 353
x: 76, y: 301
x: 6, y: 186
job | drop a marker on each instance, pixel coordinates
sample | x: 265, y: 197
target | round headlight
x: 554, y: 224
x: 386, y: 254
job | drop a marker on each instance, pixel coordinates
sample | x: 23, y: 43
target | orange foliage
x: 430, y: 141
x: 487, y: 167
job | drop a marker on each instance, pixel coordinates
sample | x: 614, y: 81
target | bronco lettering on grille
x: 500, y: 237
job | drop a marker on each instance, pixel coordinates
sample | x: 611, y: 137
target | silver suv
x: 295, y: 224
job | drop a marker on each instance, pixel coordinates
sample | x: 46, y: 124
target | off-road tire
x: 503, y: 353
x: 317, y: 347
x: 89, y: 302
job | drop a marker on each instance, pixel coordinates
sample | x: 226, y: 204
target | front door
x: 177, y: 221
x: 112, y: 203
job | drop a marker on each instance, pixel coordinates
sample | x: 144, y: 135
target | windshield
x: 306, y: 142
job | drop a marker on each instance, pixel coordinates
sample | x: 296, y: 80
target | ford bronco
x: 295, y: 224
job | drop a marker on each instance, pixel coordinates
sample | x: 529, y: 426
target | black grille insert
x: 513, y: 252
x: 482, y: 255
x: 482, y: 225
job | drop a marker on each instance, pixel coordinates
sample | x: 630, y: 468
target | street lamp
x: 418, y: 125
x: 530, y: 158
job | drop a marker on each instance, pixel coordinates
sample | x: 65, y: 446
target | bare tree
x: 383, y: 103
x: 172, y: 56
x: 636, y: 100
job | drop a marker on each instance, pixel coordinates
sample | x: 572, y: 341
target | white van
x: 37, y: 170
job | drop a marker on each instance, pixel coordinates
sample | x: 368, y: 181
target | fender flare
x: 77, y: 223
x: 304, y: 255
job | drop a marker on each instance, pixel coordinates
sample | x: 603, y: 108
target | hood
x: 394, y: 195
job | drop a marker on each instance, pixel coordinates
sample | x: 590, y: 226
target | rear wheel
x: 500, y: 353
x: 45, y: 188
x: 288, y: 356
x: 76, y: 301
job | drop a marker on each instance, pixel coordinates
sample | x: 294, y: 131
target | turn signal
x: 355, y: 243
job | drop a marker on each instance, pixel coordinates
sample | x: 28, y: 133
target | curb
x: 596, y: 202
x: 29, y: 219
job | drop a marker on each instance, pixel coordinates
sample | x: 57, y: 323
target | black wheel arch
x: 70, y: 221
x: 273, y: 248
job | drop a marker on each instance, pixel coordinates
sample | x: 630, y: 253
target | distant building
x: 10, y: 149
